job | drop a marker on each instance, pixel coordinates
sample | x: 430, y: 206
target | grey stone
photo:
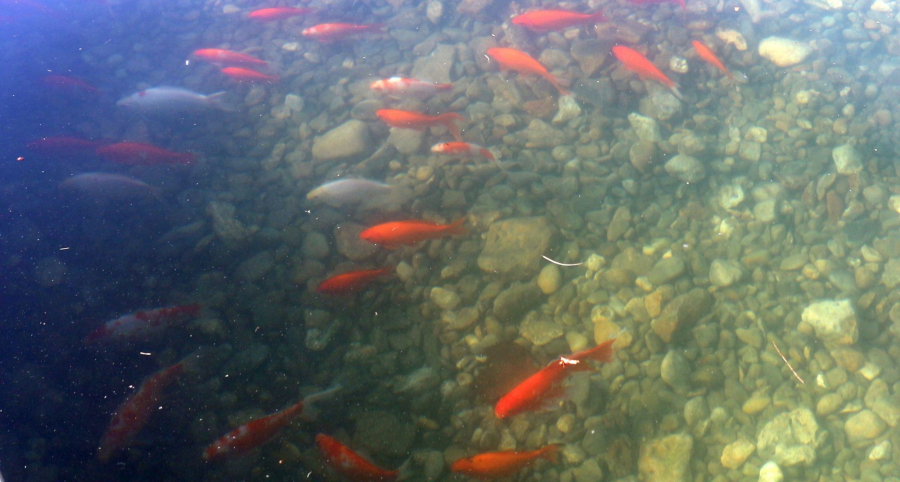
x: 435, y: 67
x: 590, y: 54
x: 681, y: 311
x: 539, y: 134
x: 540, y: 330
x: 891, y: 275
x: 666, y: 270
x: 346, y: 237
x: 666, y: 459
x: 833, y: 320
x: 620, y: 223
x: 864, y: 426
x: 568, y: 110
x: 514, y: 301
x: 675, y: 370
x: 255, y: 268
x: 790, y: 438
x: 589, y: 471
x: 384, y: 433
x: 514, y: 246
x: 685, y: 168
x: 444, y: 298
x: 418, y: 382
x: 350, y: 140
x: 645, y: 128
x: 315, y: 246
x: 724, y: 272
x: 847, y: 160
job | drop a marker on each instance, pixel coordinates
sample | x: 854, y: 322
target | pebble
x: 255, y: 268
x: 790, y: 438
x: 350, y: 140
x: 348, y: 243
x: 784, y: 52
x: 685, y: 168
x: 770, y: 472
x: 444, y: 298
x: 864, y: 426
x: 549, y: 279
x: 666, y: 270
x: 756, y: 404
x: 847, y: 160
x: 736, y: 453
x: 724, y: 273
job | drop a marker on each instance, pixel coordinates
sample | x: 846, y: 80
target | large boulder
x: 514, y: 246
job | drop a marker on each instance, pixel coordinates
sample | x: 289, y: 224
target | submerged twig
x: 562, y: 264
x: 787, y: 362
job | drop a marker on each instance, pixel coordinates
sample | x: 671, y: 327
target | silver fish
x: 348, y: 191
x: 108, y: 186
x: 171, y: 100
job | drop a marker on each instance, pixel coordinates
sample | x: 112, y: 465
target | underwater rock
x: 350, y: 140
x: 620, y: 223
x: 724, y: 272
x: 891, y: 275
x: 550, y: 279
x: 847, y: 160
x: 418, y: 382
x: 514, y: 301
x: 681, y: 311
x: 660, y: 104
x: 732, y: 37
x: 435, y: 67
x: 590, y: 54
x: 666, y: 459
x: 731, y: 196
x: 346, y: 238
x: 666, y: 270
x: 642, y: 154
x: 444, y: 298
x: 685, y: 168
x: 514, y: 246
x: 472, y: 7
x: 225, y: 225
x: 784, y: 52
x: 539, y: 330
x: 568, y: 109
x: 539, y: 134
x: 675, y: 371
x: 736, y: 453
x: 863, y: 427
x: 255, y: 268
x: 770, y: 472
x: 833, y: 320
x: 790, y: 438
x: 247, y: 360
x: 373, y: 428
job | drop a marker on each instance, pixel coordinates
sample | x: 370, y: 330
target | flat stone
x: 784, y: 52
x: 790, y: 438
x: 666, y: 459
x: 833, y: 320
x: 681, y: 311
x: 350, y: 140
x: 685, y: 168
x: 666, y: 270
x: 514, y: 246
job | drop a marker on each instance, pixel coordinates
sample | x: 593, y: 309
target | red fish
x: 67, y: 85
x: 132, y: 415
x: 393, y: 234
x: 227, y: 57
x: 346, y: 283
x: 637, y: 63
x: 406, y: 119
x: 402, y: 85
x: 277, y: 13
x: 63, y: 146
x: 512, y: 59
x: 143, y: 324
x: 682, y: 3
x: 708, y: 55
x: 141, y: 154
x: 241, y: 74
x: 258, y: 432
x: 331, y: 32
x: 350, y: 464
x: 499, y: 465
x: 546, y: 386
x: 549, y: 20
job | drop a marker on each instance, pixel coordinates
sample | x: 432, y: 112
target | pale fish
x: 108, y: 186
x: 171, y: 100
x: 348, y: 191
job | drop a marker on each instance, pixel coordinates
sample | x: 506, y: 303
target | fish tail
x: 387, y: 270
x: 553, y: 80
x: 456, y: 228
x: 551, y: 452
x: 597, y: 17
x: 676, y: 92
x: 443, y: 86
x: 601, y: 353
x: 486, y: 153
x: 449, y: 119
x: 310, y: 411
x: 217, y: 100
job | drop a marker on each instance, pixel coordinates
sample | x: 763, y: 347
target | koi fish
x: 108, y: 186
x: 143, y: 324
x: 405, y: 86
x: 132, y: 415
x: 346, y: 283
x: 549, y: 20
x: 637, y: 63
x: 68, y: 85
x: 332, y: 32
x: 351, y: 465
x: 348, y: 191
x: 170, y: 100
x: 256, y: 433
x: 277, y: 13
x: 499, y: 465
x: 682, y: 3
x: 406, y: 119
x: 227, y: 57
x: 546, y: 386
x: 241, y: 74
x: 464, y: 150
x: 63, y: 146
x: 512, y: 59
x: 141, y: 154
x: 708, y: 55
x: 393, y: 234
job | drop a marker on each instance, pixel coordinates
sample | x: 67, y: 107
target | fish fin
x: 405, y: 471
x: 597, y: 17
x: 601, y: 353
x: 456, y: 228
x: 443, y: 87
x: 310, y: 411
x: 217, y: 101
x: 551, y: 452
x: 676, y: 92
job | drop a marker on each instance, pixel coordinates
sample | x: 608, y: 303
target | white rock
x: 348, y: 140
x: 847, y: 160
x: 549, y: 279
x: 731, y: 196
x: 568, y: 110
x: 770, y: 472
x: 784, y: 52
x: 833, y: 320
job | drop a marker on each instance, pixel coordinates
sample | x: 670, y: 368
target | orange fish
x: 402, y: 85
x: 227, y: 57
x: 407, y: 119
x: 523, y: 63
x: 277, y: 13
x: 68, y: 85
x: 499, y: 465
x: 131, y: 417
x: 332, y: 32
x: 350, y: 464
x: 393, y: 234
x: 241, y: 74
x: 351, y: 281
x: 260, y: 431
x: 637, y: 63
x: 549, y: 20
x: 546, y: 386
x: 143, y: 325
x: 708, y: 55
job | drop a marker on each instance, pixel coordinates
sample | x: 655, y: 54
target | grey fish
x: 171, y: 100
x: 348, y: 191
x: 108, y: 186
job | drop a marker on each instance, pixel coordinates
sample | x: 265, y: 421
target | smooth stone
x: 736, y: 453
x: 864, y: 426
x: 675, y: 370
x: 550, y: 279
x: 784, y: 52
x: 790, y: 438
x: 891, y: 275
x: 685, y: 168
x: 847, y: 160
x: 350, y: 140
x: 589, y: 471
x: 724, y: 272
x: 683, y: 310
x: 514, y: 301
x: 731, y: 196
x: 255, y: 268
x: 620, y: 223
x: 444, y: 298
x: 645, y: 128
x: 315, y: 246
x: 514, y: 246
x: 756, y: 404
x: 418, y: 382
x: 539, y: 330
x: 834, y: 321
x: 436, y: 66
x: 348, y: 243
x: 666, y: 459
x: 666, y: 270
x: 770, y: 472
x: 828, y: 404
